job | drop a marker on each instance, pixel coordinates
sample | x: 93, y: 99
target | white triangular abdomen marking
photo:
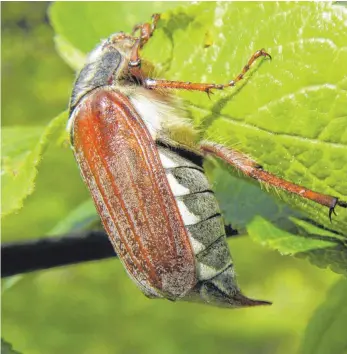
x: 177, y: 189
x: 166, y: 161
x: 197, y: 245
x: 188, y: 217
x: 205, y: 272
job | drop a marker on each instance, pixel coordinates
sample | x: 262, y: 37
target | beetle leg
x: 229, y: 231
x: 251, y: 169
x: 154, y: 84
x: 146, y: 31
x: 135, y: 62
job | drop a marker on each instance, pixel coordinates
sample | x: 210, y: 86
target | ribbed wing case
x: 121, y: 166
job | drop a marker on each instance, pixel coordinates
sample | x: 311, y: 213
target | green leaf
x: 85, y: 24
x: 326, y: 332
x: 22, y: 148
x: 321, y: 247
x: 267, y: 234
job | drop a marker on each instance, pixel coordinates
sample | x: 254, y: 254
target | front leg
x: 252, y: 169
x: 192, y: 86
x: 146, y: 31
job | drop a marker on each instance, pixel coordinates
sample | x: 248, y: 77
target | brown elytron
x: 142, y: 203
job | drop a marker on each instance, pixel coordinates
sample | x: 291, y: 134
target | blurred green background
x: 94, y: 307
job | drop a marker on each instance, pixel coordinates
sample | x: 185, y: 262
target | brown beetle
x: 147, y: 180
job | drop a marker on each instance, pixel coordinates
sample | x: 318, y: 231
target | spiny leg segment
x: 255, y: 171
x: 146, y: 29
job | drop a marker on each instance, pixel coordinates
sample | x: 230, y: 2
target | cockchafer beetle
x: 142, y: 163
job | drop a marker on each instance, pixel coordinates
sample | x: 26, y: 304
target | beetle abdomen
x: 202, y: 218
x: 200, y: 212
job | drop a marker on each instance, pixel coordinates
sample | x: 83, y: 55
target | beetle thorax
x: 105, y: 66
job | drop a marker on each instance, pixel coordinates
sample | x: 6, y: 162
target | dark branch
x: 49, y: 252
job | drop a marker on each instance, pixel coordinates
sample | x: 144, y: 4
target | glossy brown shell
x: 120, y: 164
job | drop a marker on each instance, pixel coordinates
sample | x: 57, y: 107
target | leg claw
x: 338, y: 202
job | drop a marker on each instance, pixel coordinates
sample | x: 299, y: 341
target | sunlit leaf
x: 85, y: 24
x: 322, y: 247
x: 22, y: 149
